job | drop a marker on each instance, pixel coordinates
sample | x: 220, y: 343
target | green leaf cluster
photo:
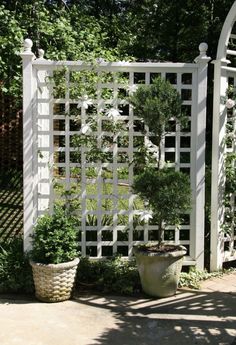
x: 230, y: 188
x: 114, y: 275
x: 194, y: 277
x: 15, y: 271
x: 230, y: 173
x: 119, y: 276
x: 156, y: 104
x: 63, y: 34
x: 167, y: 192
x: 55, y: 238
x: 109, y: 29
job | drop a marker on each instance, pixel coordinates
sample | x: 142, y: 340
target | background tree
x: 155, y: 30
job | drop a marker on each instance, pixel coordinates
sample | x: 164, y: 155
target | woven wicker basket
x: 54, y: 282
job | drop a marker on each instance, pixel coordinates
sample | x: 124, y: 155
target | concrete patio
x: 206, y: 316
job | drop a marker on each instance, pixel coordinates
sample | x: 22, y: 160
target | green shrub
x: 120, y: 276
x: 55, y: 238
x: 167, y: 192
x: 114, y: 275
x: 194, y: 277
x: 15, y: 271
x: 156, y: 104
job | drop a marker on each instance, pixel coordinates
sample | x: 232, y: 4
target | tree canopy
x: 147, y: 30
x: 112, y: 29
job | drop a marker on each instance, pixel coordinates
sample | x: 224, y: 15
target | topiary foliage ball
x: 167, y: 192
x: 156, y: 104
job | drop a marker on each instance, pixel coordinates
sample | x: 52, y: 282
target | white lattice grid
x: 55, y: 163
x: 230, y: 147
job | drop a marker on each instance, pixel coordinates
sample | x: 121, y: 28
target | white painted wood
x: 114, y: 66
x: 226, y: 32
x: 44, y: 139
x: 221, y: 74
x: 218, y: 178
x: 199, y: 127
x: 28, y: 106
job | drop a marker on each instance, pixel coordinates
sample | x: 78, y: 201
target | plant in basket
x: 54, y: 255
x: 165, y: 191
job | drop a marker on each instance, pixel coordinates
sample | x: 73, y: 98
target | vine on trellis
x: 228, y: 226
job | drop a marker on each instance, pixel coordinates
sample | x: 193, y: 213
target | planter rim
x: 176, y: 253
x: 56, y: 266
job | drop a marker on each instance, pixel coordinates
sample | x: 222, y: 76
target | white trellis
x: 48, y: 154
x: 223, y: 245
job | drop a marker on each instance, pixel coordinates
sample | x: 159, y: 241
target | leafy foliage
x: 167, y: 193
x: 109, y: 29
x: 55, y: 238
x: 119, y: 276
x: 194, y: 277
x: 230, y: 188
x: 230, y: 164
x: 159, y: 30
x: 113, y: 275
x: 63, y: 34
x: 109, y: 276
x: 230, y: 173
x: 15, y: 271
x: 157, y: 104
x: 10, y: 41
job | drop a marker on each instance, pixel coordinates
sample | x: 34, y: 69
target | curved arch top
x: 225, y: 33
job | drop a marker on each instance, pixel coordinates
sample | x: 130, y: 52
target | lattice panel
x: 229, y: 225
x: 100, y: 187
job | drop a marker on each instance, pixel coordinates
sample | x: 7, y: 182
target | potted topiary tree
x: 54, y: 255
x: 164, y: 190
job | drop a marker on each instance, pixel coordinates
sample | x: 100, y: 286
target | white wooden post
x: 199, y: 127
x: 42, y: 138
x: 28, y: 96
x: 218, y: 176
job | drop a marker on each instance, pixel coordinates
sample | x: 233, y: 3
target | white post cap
x: 28, y: 44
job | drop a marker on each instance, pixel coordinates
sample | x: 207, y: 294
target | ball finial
x: 203, y: 48
x: 41, y: 53
x: 28, y: 44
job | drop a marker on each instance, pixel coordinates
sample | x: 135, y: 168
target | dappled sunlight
x: 11, y: 204
x: 188, y: 317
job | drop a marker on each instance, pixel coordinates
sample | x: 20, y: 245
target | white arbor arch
x: 222, y: 244
x: 225, y: 35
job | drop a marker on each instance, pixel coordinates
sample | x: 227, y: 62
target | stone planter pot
x: 54, y: 282
x: 159, y: 272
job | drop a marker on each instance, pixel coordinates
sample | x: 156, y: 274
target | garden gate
x: 55, y: 117
x: 223, y: 226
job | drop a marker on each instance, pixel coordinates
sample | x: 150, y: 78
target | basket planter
x: 54, y: 282
x: 159, y: 272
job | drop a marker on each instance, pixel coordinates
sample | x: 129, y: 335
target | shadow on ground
x: 11, y: 203
x: 188, y: 318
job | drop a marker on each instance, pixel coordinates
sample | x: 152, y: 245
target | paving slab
x: 206, y: 316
